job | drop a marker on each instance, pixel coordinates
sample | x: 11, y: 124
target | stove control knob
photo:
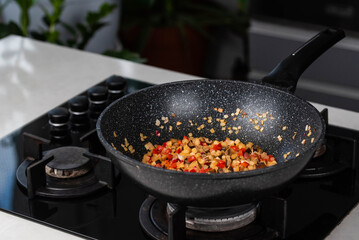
x: 79, y: 105
x: 58, y: 117
x: 117, y: 87
x: 59, y: 123
x: 97, y: 97
x: 78, y: 108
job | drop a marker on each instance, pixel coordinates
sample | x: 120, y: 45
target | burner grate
x: 65, y: 172
x: 218, y: 219
x: 158, y: 224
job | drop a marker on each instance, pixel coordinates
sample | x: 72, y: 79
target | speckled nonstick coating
x: 193, y: 101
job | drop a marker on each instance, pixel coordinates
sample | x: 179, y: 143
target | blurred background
x: 219, y: 39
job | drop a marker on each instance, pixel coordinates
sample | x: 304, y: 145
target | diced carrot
x: 244, y: 164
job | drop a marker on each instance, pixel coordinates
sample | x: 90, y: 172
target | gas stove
x: 54, y: 171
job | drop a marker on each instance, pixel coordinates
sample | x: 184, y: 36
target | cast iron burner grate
x: 331, y: 162
x: 218, y: 219
x: 65, y: 172
x: 158, y: 223
x: 327, y: 160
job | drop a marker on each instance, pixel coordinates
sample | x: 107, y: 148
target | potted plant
x: 173, y: 33
x: 90, y: 26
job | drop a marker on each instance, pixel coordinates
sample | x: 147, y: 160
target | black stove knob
x: 59, y: 123
x: 78, y: 108
x: 58, y: 117
x: 97, y: 97
x: 79, y: 105
x: 117, y: 86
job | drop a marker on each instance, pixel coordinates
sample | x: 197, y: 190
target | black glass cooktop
x: 308, y: 208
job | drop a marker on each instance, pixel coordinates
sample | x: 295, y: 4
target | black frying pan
x: 195, y: 100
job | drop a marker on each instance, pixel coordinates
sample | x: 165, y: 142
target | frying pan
x: 182, y: 107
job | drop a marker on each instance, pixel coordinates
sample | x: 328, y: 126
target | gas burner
x: 156, y: 220
x: 327, y: 161
x: 66, y: 172
x: 320, y: 151
x: 69, y: 162
x: 218, y: 219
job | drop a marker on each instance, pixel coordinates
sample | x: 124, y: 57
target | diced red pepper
x: 158, y: 133
x: 170, y: 156
x: 221, y: 164
x: 191, y: 158
x: 240, y: 153
x: 158, y: 165
x: 159, y: 148
x: 235, y: 148
x: 174, y: 165
x: 193, y: 170
x: 178, y: 150
x: 202, y: 170
x: 244, y: 164
x: 155, y: 151
x: 164, y: 144
x: 167, y: 151
x: 271, y: 158
x: 185, y: 137
x: 179, y: 142
x: 217, y: 146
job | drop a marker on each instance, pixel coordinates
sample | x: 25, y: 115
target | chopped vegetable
x: 203, y: 155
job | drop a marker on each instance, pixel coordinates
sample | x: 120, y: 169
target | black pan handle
x: 286, y: 74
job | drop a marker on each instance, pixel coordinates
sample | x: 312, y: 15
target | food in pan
x: 203, y: 155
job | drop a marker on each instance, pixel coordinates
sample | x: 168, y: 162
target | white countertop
x: 32, y: 74
x: 33, y: 71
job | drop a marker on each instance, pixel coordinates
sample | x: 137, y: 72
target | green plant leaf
x: 125, y: 54
x: 38, y: 36
x: 53, y: 36
x: 87, y: 33
x: 94, y: 17
x: 4, y: 30
x: 24, y: 15
x: 82, y: 28
x: 10, y: 28
x: 69, y: 29
x: 71, y: 42
x: 57, y: 10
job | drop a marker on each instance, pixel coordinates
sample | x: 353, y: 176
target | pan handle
x: 286, y: 74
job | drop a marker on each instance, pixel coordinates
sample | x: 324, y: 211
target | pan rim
x: 231, y: 175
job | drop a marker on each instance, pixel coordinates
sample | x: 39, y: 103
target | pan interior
x: 280, y: 123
